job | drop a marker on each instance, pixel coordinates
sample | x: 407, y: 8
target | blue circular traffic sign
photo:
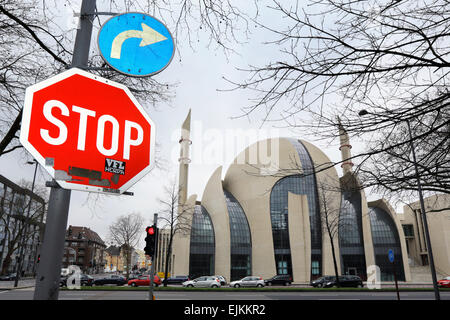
x: 136, y: 44
x: 391, y: 255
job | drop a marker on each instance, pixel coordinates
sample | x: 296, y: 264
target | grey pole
x: 152, y: 268
x: 424, y: 218
x: 52, y: 251
x: 49, y: 270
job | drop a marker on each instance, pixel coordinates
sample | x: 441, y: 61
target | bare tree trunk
x: 333, y: 251
x: 168, y: 255
x: 6, y: 263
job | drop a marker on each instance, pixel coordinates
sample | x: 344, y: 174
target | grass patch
x: 265, y: 289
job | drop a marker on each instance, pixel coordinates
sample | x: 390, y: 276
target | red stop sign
x: 90, y: 133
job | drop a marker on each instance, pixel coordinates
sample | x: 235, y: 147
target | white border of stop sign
x: 26, y: 118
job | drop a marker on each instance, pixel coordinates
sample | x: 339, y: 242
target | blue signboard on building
x: 136, y: 44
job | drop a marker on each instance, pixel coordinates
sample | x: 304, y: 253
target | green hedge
x: 265, y: 289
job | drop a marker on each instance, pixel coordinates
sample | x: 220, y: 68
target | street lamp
x: 422, y: 206
x: 26, y: 221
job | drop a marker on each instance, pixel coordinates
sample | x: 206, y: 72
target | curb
x: 15, y: 288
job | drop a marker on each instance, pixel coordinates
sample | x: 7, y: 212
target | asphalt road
x: 27, y: 294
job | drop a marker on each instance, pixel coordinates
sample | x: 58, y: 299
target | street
x: 27, y: 294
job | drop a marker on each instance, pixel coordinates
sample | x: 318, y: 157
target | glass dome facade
x: 351, y: 242
x: 385, y: 237
x: 241, y: 244
x: 297, y: 184
x: 202, y: 246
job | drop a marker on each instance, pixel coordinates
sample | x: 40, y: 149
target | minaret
x: 184, y: 160
x: 345, y: 147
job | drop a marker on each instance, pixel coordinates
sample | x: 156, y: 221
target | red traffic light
x: 150, y: 230
x: 151, y: 241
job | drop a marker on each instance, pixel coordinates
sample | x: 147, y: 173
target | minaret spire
x: 345, y: 147
x: 184, y: 160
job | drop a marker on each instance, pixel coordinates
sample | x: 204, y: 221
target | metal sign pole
x: 424, y: 218
x: 395, y: 279
x: 152, y: 269
x: 49, y: 270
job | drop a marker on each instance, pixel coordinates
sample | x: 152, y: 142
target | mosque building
x: 275, y: 217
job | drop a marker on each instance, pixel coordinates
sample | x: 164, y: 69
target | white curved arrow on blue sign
x: 136, y: 44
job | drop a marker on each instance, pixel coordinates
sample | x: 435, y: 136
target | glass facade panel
x: 408, y: 229
x: 315, y: 268
x: 297, y: 184
x: 353, y: 260
x: 385, y: 237
x: 241, y: 245
x: 202, y: 246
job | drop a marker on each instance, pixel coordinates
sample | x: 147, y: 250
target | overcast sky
x: 199, y: 77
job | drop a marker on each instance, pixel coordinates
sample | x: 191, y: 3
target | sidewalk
x: 401, y: 284
x: 23, y: 283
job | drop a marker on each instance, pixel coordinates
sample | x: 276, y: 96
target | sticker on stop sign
x: 90, y: 133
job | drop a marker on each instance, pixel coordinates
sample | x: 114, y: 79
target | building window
x: 420, y: 230
x: 297, y: 184
x: 408, y: 229
x: 283, y: 266
x: 202, y: 246
x: 351, y: 244
x: 241, y: 245
x: 315, y: 270
x: 385, y: 237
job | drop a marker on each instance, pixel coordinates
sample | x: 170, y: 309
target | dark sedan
x: 346, y: 281
x: 322, y: 281
x: 8, y: 277
x: 284, y: 280
x: 177, y: 279
x: 112, y: 279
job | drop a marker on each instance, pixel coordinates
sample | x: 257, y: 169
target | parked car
x: 346, y: 281
x: 279, y: 280
x: 250, y: 281
x: 322, y: 281
x: 177, y: 279
x: 203, y: 282
x: 444, y: 283
x: 145, y: 281
x: 112, y: 279
x: 85, y: 280
x: 133, y: 276
x: 222, y: 279
x: 8, y: 277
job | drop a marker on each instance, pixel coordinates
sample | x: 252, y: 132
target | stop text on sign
x: 88, y: 132
x: 102, y: 121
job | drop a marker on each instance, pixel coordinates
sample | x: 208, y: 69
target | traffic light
x: 151, y: 241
